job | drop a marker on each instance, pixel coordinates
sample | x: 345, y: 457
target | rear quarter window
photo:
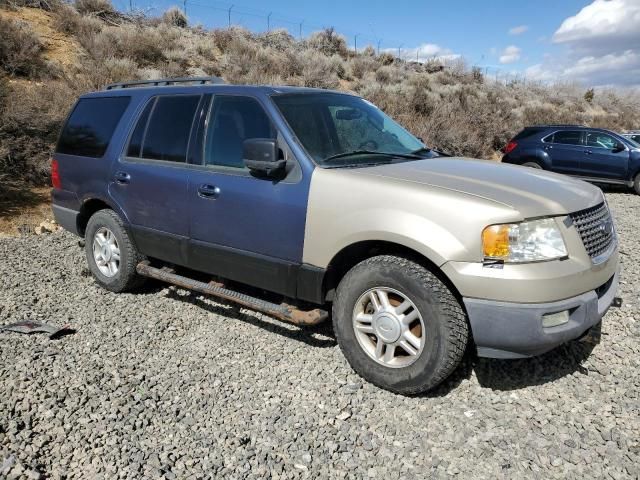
x: 528, y: 132
x: 90, y: 126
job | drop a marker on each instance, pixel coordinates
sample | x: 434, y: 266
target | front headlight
x: 531, y: 241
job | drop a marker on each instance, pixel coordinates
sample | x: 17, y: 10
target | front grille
x: 595, y: 227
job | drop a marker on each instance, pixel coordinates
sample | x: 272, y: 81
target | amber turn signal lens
x: 495, y: 241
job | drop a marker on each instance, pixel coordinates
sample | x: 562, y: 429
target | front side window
x: 232, y: 120
x: 568, y: 137
x: 601, y: 140
x: 91, y: 125
x: 164, y: 128
x: 330, y: 125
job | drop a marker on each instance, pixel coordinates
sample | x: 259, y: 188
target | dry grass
x: 63, y: 49
x: 22, y: 209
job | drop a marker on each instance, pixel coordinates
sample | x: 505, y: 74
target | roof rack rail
x: 163, y: 82
x: 560, y: 125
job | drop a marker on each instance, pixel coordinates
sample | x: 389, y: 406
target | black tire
x: 636, y: 184
x: 446, y: 326
x: 126, y: 278
x: 532, y: 165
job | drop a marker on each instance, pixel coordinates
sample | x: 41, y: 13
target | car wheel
x: 636, y: 184
x: 532, y: 165
x: 399, y: 326
x: 111, y: 255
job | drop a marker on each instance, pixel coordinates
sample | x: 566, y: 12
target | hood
x: 531, y: 192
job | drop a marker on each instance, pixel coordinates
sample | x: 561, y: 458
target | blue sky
x: 531, y: 38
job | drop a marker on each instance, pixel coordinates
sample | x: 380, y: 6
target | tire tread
x: 456, y: 319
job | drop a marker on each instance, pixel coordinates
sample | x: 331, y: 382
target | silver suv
x: 325, y: 202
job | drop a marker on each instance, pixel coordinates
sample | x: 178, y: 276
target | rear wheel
x: 636, y: 184
x: 532, y: 165
x: 398, y: 325
x: 111, y: 255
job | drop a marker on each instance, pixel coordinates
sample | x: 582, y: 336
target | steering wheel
x: 368, y: 145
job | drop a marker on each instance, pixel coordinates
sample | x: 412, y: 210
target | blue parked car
x: 592, y: 154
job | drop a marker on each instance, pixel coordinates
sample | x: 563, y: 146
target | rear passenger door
x: 243, y: 227
x: 566, y: 149
x: 150, y: 181
x: 605, y: 157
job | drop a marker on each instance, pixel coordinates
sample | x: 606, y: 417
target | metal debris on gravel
x: 168, y: 384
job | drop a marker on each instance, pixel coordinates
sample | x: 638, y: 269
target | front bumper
x: 514, y: 330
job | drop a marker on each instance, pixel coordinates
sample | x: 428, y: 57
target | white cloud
x: 602, y: 43
x: 601, y: 27
x: 519, y: 30
x: 426, y: 52
x: 510, y: 54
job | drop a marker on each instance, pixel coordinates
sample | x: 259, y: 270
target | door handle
x: 122, y: 177
x: 588, y: 152
x: 208, y: 191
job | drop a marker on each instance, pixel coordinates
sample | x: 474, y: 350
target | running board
x: 282, y: 311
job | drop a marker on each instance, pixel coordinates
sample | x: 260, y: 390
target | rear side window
x: 528, y: 132
x: 568, y: 137
x: 91, y: 125
x: 164, y: 128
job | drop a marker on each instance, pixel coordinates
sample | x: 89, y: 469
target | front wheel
x: 636, y: 184
x: 399, y: 325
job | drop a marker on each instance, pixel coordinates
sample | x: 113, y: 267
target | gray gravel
x: 164, y: 384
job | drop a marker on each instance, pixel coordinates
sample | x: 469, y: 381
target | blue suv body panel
x: 253, y: 232
x: 592, y: 154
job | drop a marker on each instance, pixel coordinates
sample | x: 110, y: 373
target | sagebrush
x: 452, y: 107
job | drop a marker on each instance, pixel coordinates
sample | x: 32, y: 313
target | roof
x: 191, y: 84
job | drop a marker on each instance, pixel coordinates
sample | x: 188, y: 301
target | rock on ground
x: 167, y: 384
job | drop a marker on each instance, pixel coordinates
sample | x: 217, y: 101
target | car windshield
x: 345, y: 130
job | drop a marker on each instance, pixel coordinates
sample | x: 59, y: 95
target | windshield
x: 345, y: 130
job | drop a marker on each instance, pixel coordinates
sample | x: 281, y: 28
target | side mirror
x: 618, y: 148
x: 260, y: 155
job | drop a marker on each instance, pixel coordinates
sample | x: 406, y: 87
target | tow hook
x: 617, y: 302
x: 81, y: 243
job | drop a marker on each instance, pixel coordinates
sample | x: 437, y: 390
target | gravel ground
x: 167, y: 384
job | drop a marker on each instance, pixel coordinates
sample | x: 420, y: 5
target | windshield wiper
x: 421, y: 150
x: 372, y: 152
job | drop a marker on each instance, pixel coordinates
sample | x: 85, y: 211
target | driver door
x: 242, y: 227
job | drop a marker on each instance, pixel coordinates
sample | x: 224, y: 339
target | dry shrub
x: 360, y: 65
x: 175, y: 18
x: 140, y: 44
x: 94, y: 7
x: 386, y: 58
x: 328, y: 42
x: 29, y: 128
x: 223, y: 37
x: 95, y: 75
x: 388, y: 74
x: 20, y: 49
x: 319, y: 71
x: 452, y: 107
x: 280, y: 39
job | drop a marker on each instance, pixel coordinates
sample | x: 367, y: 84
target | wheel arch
x: 90, y: 206
x: 351, y: 255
